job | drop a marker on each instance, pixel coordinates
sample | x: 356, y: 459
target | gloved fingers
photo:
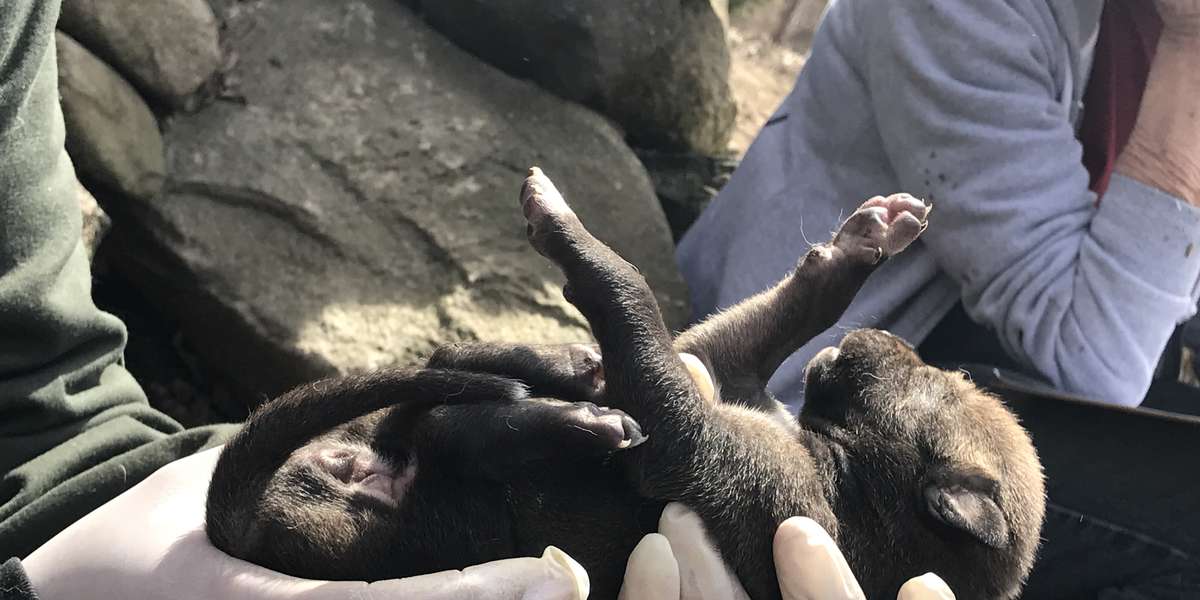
x: 809, y: 564
x: 554, y: 576
x: 702, y: 573
x: 652, y: 572
x: 925, y: 587
x: 135, y: 545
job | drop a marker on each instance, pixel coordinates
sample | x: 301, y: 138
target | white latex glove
x: 149, y: 543
x: 680, y: 562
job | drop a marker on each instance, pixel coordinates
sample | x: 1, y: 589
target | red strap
x: 1129, y: 31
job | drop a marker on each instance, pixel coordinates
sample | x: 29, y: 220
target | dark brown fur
x: 910, y: 468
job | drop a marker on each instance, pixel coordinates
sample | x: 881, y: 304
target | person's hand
x: 810, y: 566
x: 150, y: 543
x: 680, y: 562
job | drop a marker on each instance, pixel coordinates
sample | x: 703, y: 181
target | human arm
x: 971, y: 117
x: 75, y: 428
x: 1164, y: 148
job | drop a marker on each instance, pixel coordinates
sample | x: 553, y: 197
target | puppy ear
x: 963, y: 501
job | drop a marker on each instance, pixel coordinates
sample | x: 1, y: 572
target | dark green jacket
x: 75, y: 428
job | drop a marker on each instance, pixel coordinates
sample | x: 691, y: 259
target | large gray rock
x: 361, y: 206
x: 112, y: 136
x: 686, y: 183
x: 168, y: 48
x: 660, y: 68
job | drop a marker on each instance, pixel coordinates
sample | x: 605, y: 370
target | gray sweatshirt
x: 972, y: 105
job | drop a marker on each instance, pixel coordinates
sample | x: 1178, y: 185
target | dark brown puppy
x: 910, y: 468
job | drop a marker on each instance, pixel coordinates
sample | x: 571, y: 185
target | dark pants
x: 1088, y: 557
x: 1123, y: 485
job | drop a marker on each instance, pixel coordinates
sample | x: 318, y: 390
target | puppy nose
x: 903, y: 342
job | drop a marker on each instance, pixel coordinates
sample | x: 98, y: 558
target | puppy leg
x: 709, y: 456
x: 517, y: 440
x: 744, y: 345
x: 571, y: 372
x: 643, y: 375
x: 280, y: 426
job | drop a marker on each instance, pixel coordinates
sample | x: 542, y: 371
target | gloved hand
x: 679, y: 562
x: 150, y: 543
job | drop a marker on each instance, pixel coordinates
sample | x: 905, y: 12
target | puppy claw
x: 541, y: 199
x: 621, y: 431
x: 633, y: 434
x: 544, y: 208
x: 904, y: 231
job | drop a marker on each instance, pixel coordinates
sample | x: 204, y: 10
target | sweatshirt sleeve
x: 971, y: 118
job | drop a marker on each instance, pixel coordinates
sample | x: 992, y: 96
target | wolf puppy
x: 496, y: 451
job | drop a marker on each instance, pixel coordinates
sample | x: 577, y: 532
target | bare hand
x: 1181, y: 18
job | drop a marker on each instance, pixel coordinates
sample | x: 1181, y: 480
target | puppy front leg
x: 744, y: 345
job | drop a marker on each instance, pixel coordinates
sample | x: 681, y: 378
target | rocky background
x: 293, y: 188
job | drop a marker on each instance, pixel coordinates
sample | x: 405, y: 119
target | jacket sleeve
x: 14, y: 584
x: 75, y: 428
x: 971, y: 118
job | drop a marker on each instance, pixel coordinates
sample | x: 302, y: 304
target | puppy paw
x: 614, y: 429
x: 544, y: 207
x: 883, y: 227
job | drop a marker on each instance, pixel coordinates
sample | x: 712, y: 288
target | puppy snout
x: 878, y: 343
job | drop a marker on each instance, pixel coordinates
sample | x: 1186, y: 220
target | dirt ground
x: 768, y: 42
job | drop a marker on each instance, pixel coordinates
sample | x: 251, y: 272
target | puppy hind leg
x: 571, y: 372
x: 521, y: 439
x: 643, y: 375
